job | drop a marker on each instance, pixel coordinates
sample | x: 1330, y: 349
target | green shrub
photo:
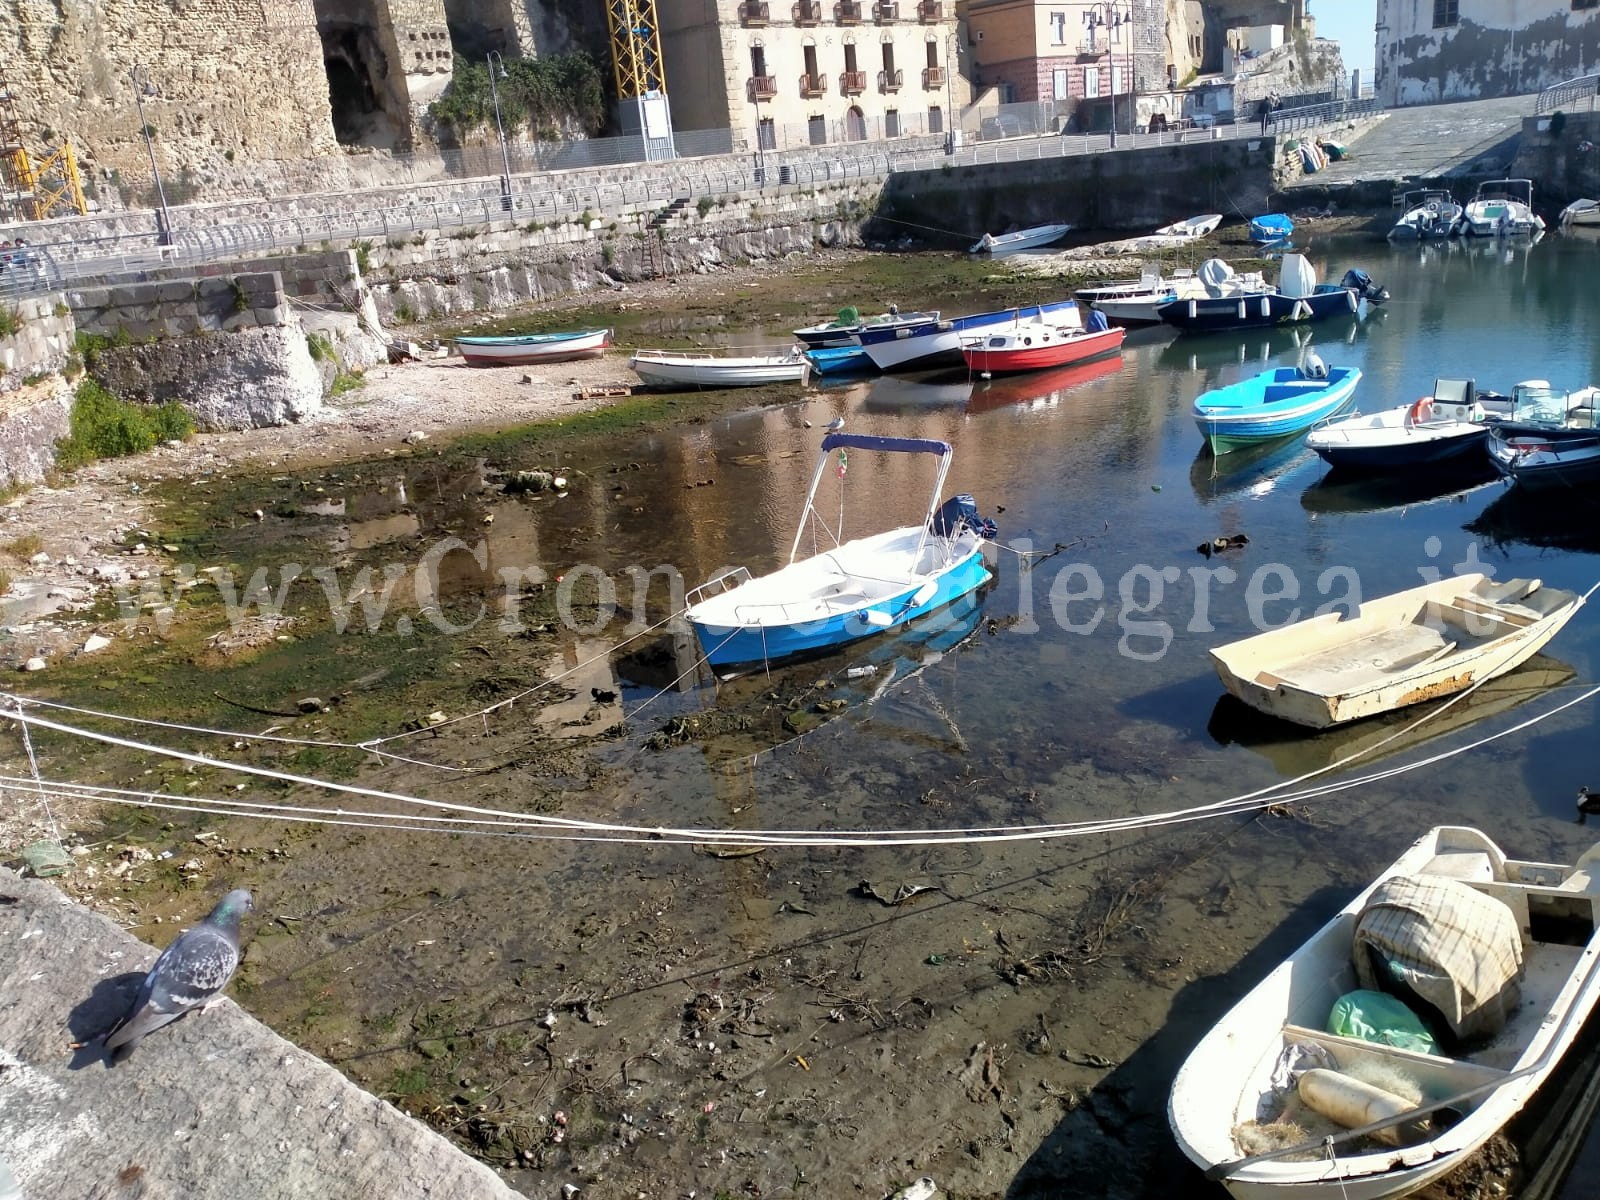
x: 62, y: 310
x: 404, y: 313
x: 347, y: 381
x: 25, y: 546
x: 364, y: 257
x: 320, y: 346
x: 10, y: 321
x: 542, y: 94
x: 5, y: 582
x: 102, y: 426
x: 705, y: 204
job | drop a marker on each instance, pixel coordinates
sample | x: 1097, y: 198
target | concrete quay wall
x: 41, y: 343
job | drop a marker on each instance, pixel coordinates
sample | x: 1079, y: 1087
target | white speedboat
x: 1502, y: 208
x: 1581, y: 212
x: 1274, y: 1107
x: 1191, y: 228
x: 1426, y: 213
x: 1436, y: 431
x: 675, y: 369
x: 1022, y: 239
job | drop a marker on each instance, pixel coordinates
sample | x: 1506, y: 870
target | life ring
x: 1420, y: 411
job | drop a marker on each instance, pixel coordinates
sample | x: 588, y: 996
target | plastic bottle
x: 861, y: 672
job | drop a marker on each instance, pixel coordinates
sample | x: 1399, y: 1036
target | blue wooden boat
x: 1273, y: 404
x: 519, y: 350
x: 1270, y: 227
x: 853, y: 590
x: 840, y: 360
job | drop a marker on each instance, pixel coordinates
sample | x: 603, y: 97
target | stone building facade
x: 811, y: 71
x: 1433, y: 50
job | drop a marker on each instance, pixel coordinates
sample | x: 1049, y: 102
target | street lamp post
x: 142, y: 87
x: 1110, y: 16
x: 497, y: 70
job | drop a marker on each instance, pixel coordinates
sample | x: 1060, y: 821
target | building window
x: 891, y: 122
x: 1116, y: 79
x: 1058, y: 23
x: 1059, y: 85
x: 1091, y: 82
x: 817, y: 127
x: 1446, y: 12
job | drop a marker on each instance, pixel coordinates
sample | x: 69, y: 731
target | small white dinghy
x: 676, y: 369
x: 1513, y: 970
x: 1581, y: 212
x: 1424, y: 643
x: 1022, y: 239
x: 1190, y: 228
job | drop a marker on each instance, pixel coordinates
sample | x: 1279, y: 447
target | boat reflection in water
x: 1249, y: 473
x: 916, y: 393
x: 1293, y: 751
x: 1361, y: 492
x: 1550, y: 519
x: 1038, y: 389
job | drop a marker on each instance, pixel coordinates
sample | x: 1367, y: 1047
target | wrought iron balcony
x: 808, y: 12
x: 930, y: 12
x: 847, y: 12
x: 761, y: 87
x: 885, y: 11
x: 890, y: 81
x: 932, y: 78
x: 813, y: 85
x: 755, y: 12
x: 852, y: 83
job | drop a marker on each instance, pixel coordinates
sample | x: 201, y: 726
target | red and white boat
x: 1033, y: 346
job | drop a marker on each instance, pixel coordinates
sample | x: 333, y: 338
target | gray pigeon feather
x: 189, y: 973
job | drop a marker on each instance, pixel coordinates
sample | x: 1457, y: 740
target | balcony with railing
x: 761, y: 87
x: 930, y: 12
x: 755, y: 13
x: 852, y: 83
x: 890, y: 81
x: 847, y: 12
x: 885, y: 12
x: 808, y: 12
x: 813, y: 85
x: 932, y: 78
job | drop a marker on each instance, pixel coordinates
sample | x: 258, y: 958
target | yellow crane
x: 35, y: 188
x: 641, y: 79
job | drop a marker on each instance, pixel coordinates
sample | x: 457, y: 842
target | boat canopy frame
x: 885, y: 445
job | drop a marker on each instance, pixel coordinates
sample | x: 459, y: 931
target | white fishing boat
x: 1022, y: 239
x: 1420, y: 644
x: 1190, y: 228
x: 1581, y: 212
x: 1502, y: 208
x: 525, y: 349
x: 677, y: 369
x: 852, y: 589
x: 1499, y: 955
x: 1436, y: 431
x: 1426, y: 213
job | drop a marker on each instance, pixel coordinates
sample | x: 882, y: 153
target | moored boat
x: 1297, y: 298
x: 1191, y: 227
x: 1581, y: 212
x: 840, y: 360
x: 1420, y: 644
x: 525, y: 349
x: 1550, y: 437
x: 1502, y: 208
x: 1022, y: 239
x: 1139, y: 302
x: 854, y: 590
x: 1035, y: 346
x: 1516, y: 978
x: 1270, y: 227
x: 676, y: 369
x: 906, y: 345
x: 1436, y: 430
x: 1425, y: 213
x: 843, y: 329
x: 1273, y: 404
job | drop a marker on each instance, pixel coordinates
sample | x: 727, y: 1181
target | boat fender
x: 1421, y: 411
x: 924, y: 594
x: 1351, y: 297
x: 1266, y: 307
x: 1192, y: 310
x: 1352, y: 1103
x: 1241, y: 310
x: 873, y: 619
x: 1301, y: 311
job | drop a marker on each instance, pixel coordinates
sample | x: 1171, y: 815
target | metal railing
x: 847, y: 12
x: 755, y: 12
x: 813, y: 85
x: 852, y: 83
x: 932, y: 78
x: 761, y: 87
x: 885, y: 12
x: 807, y: 12
x: 930, y: 12
x: 891, y: 81
x: 1310, y: 115
x: 1564, y: 94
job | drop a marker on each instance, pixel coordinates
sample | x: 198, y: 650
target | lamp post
x: 497, y: 70
x: 1111, y: 16
x: 142, y: 87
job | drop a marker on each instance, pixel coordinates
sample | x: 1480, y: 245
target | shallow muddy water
x: 771, y: 1024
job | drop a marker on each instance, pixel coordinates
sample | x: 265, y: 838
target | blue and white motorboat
x: 854, y: 590
x: 1269, y: 228
x: 1273, y: 404
x: 907, y: 345
x: 1551, y: 437
x: 1298, y: 298
x: 842, y: 330
x: 1437, y: 431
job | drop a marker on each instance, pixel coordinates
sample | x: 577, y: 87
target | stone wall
x: 175, y: 308
x: 231, y: 77
x: 41, y: 346
x: 32, y: 420
x: 1550, y: 156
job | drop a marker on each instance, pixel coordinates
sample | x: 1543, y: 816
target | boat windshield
x: 1544, y: 405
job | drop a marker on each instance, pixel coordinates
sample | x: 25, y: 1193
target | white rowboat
x: 1226, y: 1082
x: 670, y: 369
x: 1420, y: 644
x: 520, y: 350
x: 1022, y: 239
x: 1191, y: 228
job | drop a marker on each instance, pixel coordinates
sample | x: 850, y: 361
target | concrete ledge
x: 215, y: 1105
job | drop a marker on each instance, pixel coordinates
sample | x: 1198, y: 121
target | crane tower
x: 641, y: 79
x: 31, y: 190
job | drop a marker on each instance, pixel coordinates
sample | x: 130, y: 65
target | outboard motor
x: 960, y: 512
x: 1314, y: 367
x: 1361, y: 284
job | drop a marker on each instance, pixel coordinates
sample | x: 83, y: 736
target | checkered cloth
x: 1455, y: 947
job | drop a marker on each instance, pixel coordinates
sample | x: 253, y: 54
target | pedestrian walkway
x: 1433, y: 141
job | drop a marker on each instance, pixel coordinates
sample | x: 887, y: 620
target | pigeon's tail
x: 124, y: 1037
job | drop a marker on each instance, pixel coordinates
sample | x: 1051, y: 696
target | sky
x: 1350, y: 23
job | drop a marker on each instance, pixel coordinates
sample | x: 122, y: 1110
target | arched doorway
x: 855, y: 125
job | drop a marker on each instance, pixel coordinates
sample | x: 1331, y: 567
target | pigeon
x: 602, y: 695
x: 190, y: 973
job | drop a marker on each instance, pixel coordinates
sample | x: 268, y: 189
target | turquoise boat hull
x: 1272, y: 405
